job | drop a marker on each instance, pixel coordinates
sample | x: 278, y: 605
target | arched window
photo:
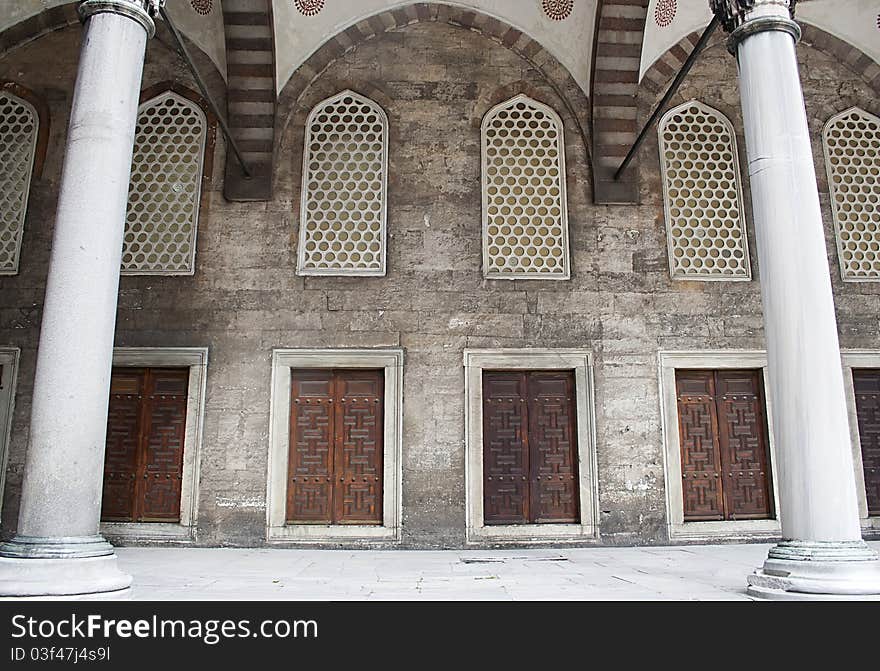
x: 525, y: 216
x: 852, y: 159
x: 705, y: 222
x: 19, y: 129
x: 165, y: 188
x: 342, y: 227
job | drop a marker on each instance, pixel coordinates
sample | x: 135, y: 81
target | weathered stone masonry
x: 435, y: 81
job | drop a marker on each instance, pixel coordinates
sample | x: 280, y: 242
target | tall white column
x: 58, y: 550
x: 822, y: 552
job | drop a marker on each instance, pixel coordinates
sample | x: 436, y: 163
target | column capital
x: 742, y: 18
x: 142, y: 11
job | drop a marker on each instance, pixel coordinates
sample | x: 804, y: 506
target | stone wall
x: 435, y: 82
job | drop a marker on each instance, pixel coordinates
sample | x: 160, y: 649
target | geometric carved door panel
x: 143, y: 462
x: 529, y: 448
x: 724, y: 446
x: 335, y: 471
x: 866, y: 384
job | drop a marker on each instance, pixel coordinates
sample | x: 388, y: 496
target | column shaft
x: 822, y: 552
x: 817, y: 488
x: 61, y: 493
x: 58, y: 550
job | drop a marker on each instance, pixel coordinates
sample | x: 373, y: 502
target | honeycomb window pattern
x: 19, y: 124
x: 344, y: 186
x: 705, y: 223
x: 165, y: 188
x: 525, y: 218
x: 852, y: 159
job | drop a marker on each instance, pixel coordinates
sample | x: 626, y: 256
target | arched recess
x: 37, y: 25
x: 159, y: 186
x: 557, y: 75
x: 620, y: 31
x: 24, y: 134
x: 62, y: 16
x: 658, y: 76
x: 42, y: 109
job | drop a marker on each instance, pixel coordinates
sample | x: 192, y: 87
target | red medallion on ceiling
x: 309, y: 7
x: 664, y: 12
x: 557, y: 9
x: 202, y: 7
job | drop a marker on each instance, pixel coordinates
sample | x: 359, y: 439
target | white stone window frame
x: 581, y: 362
x: 197, y: 196
x: 677, y: 528
x: 196, y: 360
x: 25, y: 196
x: 304, y: 192
x: 9, y: 357
x: 670, y: 246
x: 283, y: 361
x: 859, y: 358
x: 563, y: 193
x: 829, y: 171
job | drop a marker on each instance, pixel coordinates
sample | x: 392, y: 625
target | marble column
x: 822, y: 554
x: 58, y: 550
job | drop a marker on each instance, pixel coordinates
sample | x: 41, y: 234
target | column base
x: 805, y: 570
x: 61, y: 568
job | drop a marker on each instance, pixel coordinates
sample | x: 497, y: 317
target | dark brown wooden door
x: 143, y: 460
x: 866, y: 383
x: 724, y: 446
x: 335, y: 467
x: 529, y: 447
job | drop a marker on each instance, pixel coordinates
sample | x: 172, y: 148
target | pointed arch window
x: 165, y: 190
x: 852, y: 159
x: 344, y: 188
x: 702, y: 193
x: 19, y: 131
x: 525, y: 214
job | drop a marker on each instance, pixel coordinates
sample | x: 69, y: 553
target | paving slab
x: 673, y: 573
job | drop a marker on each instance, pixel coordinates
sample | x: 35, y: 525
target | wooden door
x: 724, y: 446
x: 123, y: 443
x: 143, y: 461
x: 506, y: 471
x: 161, y: 469
x: 335, y: 466
x: 866, y: 383
x: 529, y: 448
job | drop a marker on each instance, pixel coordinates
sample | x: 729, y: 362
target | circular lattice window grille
x: 202, y: 7
x: 165, y: 187
x: 309, y: 7
x: 852, y: 159
x: 18, y: 140
x: 345, y: 165
x: 525, y: 222
x: 705, y: 225
x: 664, y: 12
x: 557, y: 9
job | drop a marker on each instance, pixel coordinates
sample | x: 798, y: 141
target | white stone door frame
x: 677, y: 528
x: 581, y: 362
x: 283, y: 360
x: 858, y: 358
x: 9, y: 357
x: 196, y: 359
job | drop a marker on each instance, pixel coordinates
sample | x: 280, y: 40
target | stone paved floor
x: 694, y: 572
